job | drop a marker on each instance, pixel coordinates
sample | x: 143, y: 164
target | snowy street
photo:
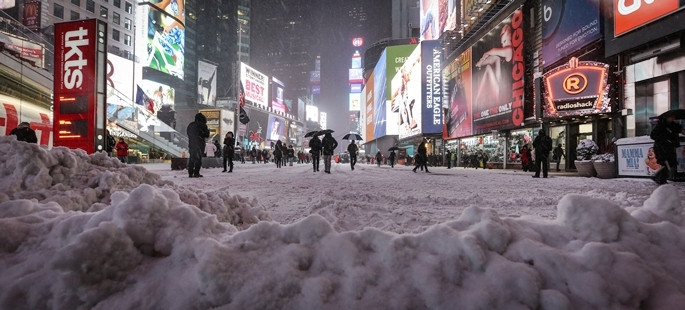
x: 84, y: 231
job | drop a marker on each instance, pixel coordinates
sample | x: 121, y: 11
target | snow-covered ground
x: 86, y: 232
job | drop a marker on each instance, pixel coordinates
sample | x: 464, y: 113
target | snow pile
x: 149, y: 248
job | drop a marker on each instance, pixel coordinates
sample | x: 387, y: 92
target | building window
x: 117, y: 3
x: 127, y: 40
x: 129, y: 8
x: 128, y: 23
x: 90, y: 6
x: 75, y: 15
x: 104, y: 13
x: 115, y: 18
x: 58, y: 11
x: 76, y: 2
x: 115, y: 35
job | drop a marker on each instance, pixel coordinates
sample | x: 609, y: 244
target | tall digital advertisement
x: 498, y: 72
x: 277, y: 96
x: 79, y: 85
x: 206, y: 83
x: 458, y: 113
x: 164, y: 46
x: 568, y: 26
x: 438, y: 16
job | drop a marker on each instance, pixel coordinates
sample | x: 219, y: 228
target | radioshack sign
x: 631, y: 14
x: 577, y: 88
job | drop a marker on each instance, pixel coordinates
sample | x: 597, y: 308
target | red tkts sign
x: 78, y: 113
x: 631, y: 14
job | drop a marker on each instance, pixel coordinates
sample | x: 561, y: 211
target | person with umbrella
x: 353, y: 149
x: 315, y: 150
x: 328, y: 145
x: 666, y: 140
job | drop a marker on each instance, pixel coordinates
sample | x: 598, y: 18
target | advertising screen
x: 312, y: 112
x: 438, y: 16
x: 498, y: 70
x: 160, y: 94
x: 568, y: 26
x: 300, y: 109
x: 355, y: 87
x: 356, y: 61
x: 396, y: 57
x: 355, y: 101
x: 315, y: 77
x: 275, y: 128
x: 27, y: 49
x: 119, y: 73
x: 323, y: 119
x: 164, y: 45
x: 256, y: 129
x: 368, y: 108
x: 432, y: 88
x: 316, y: 89
x: 457, y: 114
x: 256, y: 86
x: 357, y: 75
x: 13, y: 112
x: 407, y: 93
x: 206, y: 83
x: 277, y: 97
x: 32, y: 14
x: 379, y: 115
x: 79, y: 91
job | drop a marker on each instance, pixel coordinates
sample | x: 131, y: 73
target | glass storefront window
x: 491, y: 146
x: 517, y: 139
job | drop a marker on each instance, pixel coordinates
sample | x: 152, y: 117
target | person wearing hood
x: 328, y: 145
x: 24, y: 133
x: 315, y: 150
x: 197, y: 133
x: 666, y: 140
x: 542, y: 145
x: 229, y: 149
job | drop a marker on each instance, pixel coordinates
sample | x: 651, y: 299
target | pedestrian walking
x: 278, y: 154
x: 421, y: 158
x: 448, y: 158
x: 353, y: 149
x: 666, y: 141
x: 228, y: 150
x: 122, y: 150
x: 328, y: 145
x: 557, y: 154
x: 379, y: 158
x: 315, y: 150
x: 391, y: 159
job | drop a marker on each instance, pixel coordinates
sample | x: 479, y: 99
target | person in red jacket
x: 122, y: 150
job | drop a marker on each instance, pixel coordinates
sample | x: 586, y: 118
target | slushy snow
x: 82, y: 231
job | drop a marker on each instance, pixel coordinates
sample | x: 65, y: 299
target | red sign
x: 32, y: 15
x: 357, y: 42
x: 577, y: 88
x: 75, y: 95
x: 631, y: 14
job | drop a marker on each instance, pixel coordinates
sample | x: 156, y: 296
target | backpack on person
x: 546, y: 144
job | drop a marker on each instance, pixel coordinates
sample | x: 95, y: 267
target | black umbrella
x: 325, y: 131
x: 311, y: 134
x: 679, y: 114
x: 352, y: 136
x: 394, y: 148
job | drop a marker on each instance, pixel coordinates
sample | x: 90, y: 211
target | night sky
x: 332, y: 30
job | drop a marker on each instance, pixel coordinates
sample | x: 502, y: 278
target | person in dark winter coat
x: 217, y: 153
x: 421, y: 158
x: 315, y: 150
x: 197, y: 133
x: 328, y: 145
x: 542, y: 145
x: 557, y: 154
x: 391, y: 159
x: 379, y: 158
x: 666, y: 141
x: 24, y: 133
x: 353, y: 149
x: 110, y: 143
x: 227, y: 152
x: 278, y: 154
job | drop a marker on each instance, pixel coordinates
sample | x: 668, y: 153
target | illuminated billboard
x: 355, y: 101
x: 79, y: 85
x: 355, y: 87
x: 356, y: 60
x: 438, y: 16
x: 276, y: 128
x: 277, y: 97
x: 256, y: 86
x: 356, y: 75
x: 567, y: 26
x: 206, y: 83
x: 164, y: 35
x: 577, y: 88
x: 159, y: 94
x: 378, y: 116
x: 27, y: 49
x: 629, y: 15
x: 13, y: 111
x: 312, y: 113
x: 322, y: 119
x: 367, y: 111
x: 457, y: 114
x: 417, y: 91
x: 32, y: 12
x: 498, y: 62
